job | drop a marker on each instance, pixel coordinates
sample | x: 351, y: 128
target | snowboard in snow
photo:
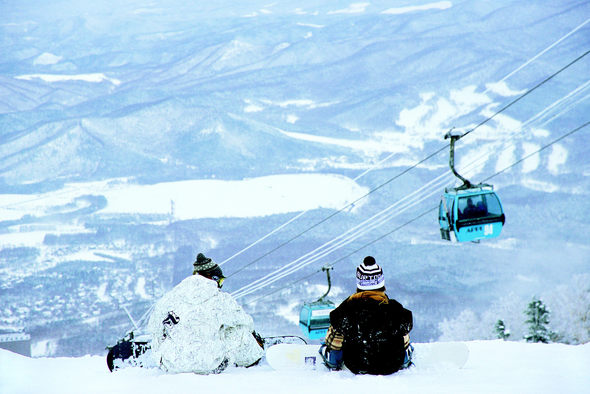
x: 440, y: 354
x: 284, y: 356
x: 135, y: 351
x: 426, y: 355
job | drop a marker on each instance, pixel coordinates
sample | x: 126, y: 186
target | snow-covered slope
x: 493, y: 367
x: 122, y: 128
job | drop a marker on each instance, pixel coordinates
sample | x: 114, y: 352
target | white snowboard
x: 294, y: 356
x: 426, y: 355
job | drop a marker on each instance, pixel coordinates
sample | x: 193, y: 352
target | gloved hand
x: 332, y: 358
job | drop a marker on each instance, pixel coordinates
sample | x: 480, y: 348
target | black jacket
x: 373, y: 327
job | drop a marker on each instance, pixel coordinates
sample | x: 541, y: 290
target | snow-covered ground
x: 136, y: 134
x: 493, y: 367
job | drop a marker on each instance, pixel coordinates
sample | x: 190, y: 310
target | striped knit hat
x: 369, y: 276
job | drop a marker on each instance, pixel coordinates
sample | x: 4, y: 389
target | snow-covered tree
x: 538, y: 319
x: 470, y: 325
x: 509, y: 307
x: 466, y: 327
x: 570, y: 310
x: 501, y: 330
x: 570, y: 316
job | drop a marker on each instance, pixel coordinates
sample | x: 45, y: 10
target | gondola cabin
x: 470, y: 214
x: 314, y: 318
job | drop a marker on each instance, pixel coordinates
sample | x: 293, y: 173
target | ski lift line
x: 556, y: 103
x: 474, y: 163
x: 350, y: 239
x: 564, y: 110
x: 543, y: 82
x: 325, y: 254
x: 130, y: 317
x: 542, y: 52
x: 539, y: 150
x: 425, y: 212
x: 315, y: 255
x: 408, y: 205
x: 311, y: 257
x: 340, y: 210
x: 282, y: 287
x: 351, y: 253
x: 420, y: 162
x: 389, y: 156
x: 510, y: 143
x: 264, y: 237
x: 545, y: 111
x: 541, y: 114
x: 257, y: 284
x: 376, y: 224
x: 528, y: 124
x: 354, y: 228
x: 429, y: 211
x: 310, y: 261
x: 302, y: 213
x: 339, y: 239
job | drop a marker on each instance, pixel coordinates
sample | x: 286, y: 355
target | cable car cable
x: 436, y: 207
x: 283, y: 270
x: 277, y: 276
x: 338, y: 211
x: 528, y: 92
x: 542, y: 52
x: 539, y: 150
x: 247, y: 289
x: 416, y: 164
x: 346, y: 256
x: 300, y: 214
x: 418, y: 217
x: 345, y: 238
x: 529, y: 61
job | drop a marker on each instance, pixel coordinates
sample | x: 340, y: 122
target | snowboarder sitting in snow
x: 197, y: 328
x: 207, y: 268
x: 369, y: 332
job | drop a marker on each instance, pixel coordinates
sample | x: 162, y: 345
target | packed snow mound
x: 197, y: 328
